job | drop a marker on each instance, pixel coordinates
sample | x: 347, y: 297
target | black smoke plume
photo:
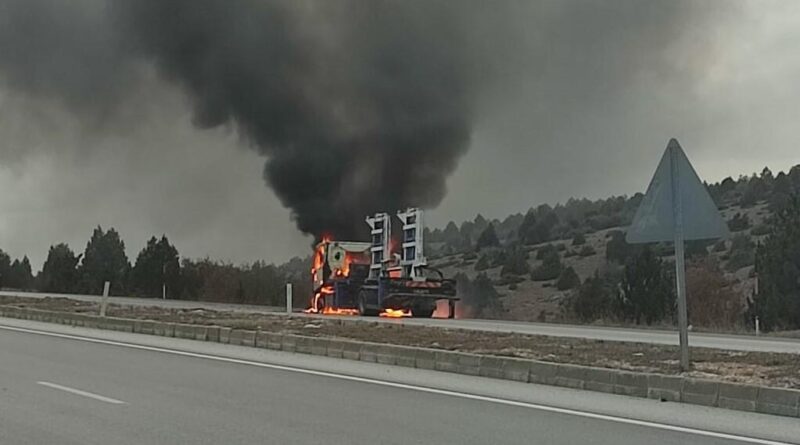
x: 357, y: 105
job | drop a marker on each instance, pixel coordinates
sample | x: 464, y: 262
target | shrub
x: 618, y: 250
x: 711, y: 300
x: 741, y: 242
x: 697, y: 248
x: 545, y: 250
x: 568, y: 279
x: 761, y: 229
x: 740, y: 259
x: 578, y: 239
x: 592, y: 300
x: 516, y: 262
x: 549, y: 269
x: 645, y: 293
x: 587, y: 251
x: 739, y: 222
x: 720, y: 246
x: 487, y: 238
x: 482, y: 263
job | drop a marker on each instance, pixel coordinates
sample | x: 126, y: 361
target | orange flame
x: 327, y: 310
x: 338, y: 311
x: 395, y: 313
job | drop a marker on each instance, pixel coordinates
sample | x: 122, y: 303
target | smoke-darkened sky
x: 235, y: 127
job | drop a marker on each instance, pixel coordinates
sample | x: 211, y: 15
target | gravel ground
x: 771, y: 369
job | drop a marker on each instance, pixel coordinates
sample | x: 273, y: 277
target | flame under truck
x: 371, y: 278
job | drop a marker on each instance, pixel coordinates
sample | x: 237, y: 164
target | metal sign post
x: 677, y: 208
x: 680, y: 267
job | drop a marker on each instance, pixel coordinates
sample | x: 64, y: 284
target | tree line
x: 157, y: 269
x: 576, y: 217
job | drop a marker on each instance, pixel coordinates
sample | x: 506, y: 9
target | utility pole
x: 164, y: 281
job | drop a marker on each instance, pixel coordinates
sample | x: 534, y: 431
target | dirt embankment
x: 770, y: 369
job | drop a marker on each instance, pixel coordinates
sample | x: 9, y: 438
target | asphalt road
x: 696, y: 339
x: 80, y: 386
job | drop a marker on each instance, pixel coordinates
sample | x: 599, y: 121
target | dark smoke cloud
x: 358, y: 106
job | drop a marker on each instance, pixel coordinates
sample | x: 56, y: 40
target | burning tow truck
x: 360, y: 278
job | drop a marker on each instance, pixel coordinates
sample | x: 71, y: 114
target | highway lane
x: 62, y: 388
x: 696, y: 339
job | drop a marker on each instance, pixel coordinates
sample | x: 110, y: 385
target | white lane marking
x: 79, y: 392
x: 445, y: 392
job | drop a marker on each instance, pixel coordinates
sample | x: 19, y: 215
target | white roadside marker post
x: 289, y: 298
x: 104, y: 300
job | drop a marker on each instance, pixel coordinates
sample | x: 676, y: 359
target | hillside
x: 586, y: 236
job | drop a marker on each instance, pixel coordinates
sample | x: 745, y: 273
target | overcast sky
x: 583, y: 102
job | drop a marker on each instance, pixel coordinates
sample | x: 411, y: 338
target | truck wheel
x: 363, y: 308
x: 422, y: 311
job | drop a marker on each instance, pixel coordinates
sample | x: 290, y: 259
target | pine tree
x: 487, y: 238
x: 59, y: 272
x: 777, y: 303
x: 645, y: 293
x: 568, y: 279
x: 104, y: 260
x: 156, y: 265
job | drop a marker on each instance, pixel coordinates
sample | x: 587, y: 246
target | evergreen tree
x: 487, y: 238
x: 20, y: 275
x: 645, y: 293
x: 568, y: 279
x: 593, y: 300
x: 480, y: 223
x: 59, y: 273
x: 104, y: 260
x: 157, y: 265
x: 516, y: 262
x: 483, y: 263
x: 777, y: 303
x: 5, y: 269
x: 550, y: 268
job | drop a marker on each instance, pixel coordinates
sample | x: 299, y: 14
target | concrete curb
x: 768, y: 400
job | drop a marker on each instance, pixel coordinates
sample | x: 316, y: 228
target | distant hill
x: 587, y: 236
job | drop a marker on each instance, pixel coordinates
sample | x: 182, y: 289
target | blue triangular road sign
x: 655, y: 219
